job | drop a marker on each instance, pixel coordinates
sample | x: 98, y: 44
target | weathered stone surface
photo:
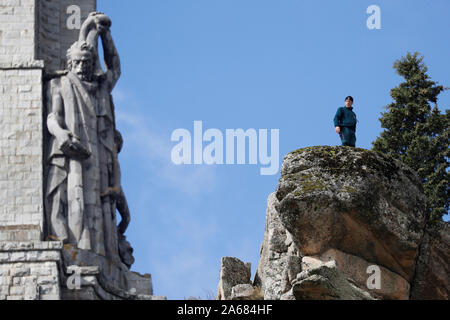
x: 326, y: 282
x: 29, y: 280
x: 32, y: 245
x: 359, y: 209
x: 342, y: 198
x: 310, y: 262
x: 30, y: 269
x: 125, y: 251
x: 21, y: 129
x: 32, y: 284
x: 21, y: 168
x: 432, y: 278
x: 17, y: 25
x: 392, y: 285
x: 232, y: 272
x: 246, y: 292
x: 41, y: 279
x: 113, y: 279
x: 279, y: 260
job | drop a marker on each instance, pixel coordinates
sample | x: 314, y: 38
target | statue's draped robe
x: 75, y: 207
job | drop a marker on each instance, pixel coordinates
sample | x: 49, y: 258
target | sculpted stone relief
x: 83, y: 182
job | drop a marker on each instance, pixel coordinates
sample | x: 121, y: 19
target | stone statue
x: 83, y: 182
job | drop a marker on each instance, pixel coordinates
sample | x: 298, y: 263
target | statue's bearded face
x: 82, y: 65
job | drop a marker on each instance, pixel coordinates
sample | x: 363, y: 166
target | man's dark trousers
x: 348, y: 136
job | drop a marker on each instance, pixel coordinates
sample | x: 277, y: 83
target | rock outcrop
x: 432, y: 269
x: 280, y: 260
x: 325, y: 282
x: 349, y: 223
x: 234, y: 283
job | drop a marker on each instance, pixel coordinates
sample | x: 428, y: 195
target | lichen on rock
x: 337, y: 214
x: 358, y: 201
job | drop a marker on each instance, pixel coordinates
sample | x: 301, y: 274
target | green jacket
x: 345, y: 117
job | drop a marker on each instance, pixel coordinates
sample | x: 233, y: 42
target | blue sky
x: 284, y: 65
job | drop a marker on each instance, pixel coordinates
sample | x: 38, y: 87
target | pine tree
x: 418, y: 134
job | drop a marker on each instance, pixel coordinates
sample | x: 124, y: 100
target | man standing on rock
x: 345, y: 123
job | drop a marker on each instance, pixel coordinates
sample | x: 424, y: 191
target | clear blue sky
x: 284, y: 65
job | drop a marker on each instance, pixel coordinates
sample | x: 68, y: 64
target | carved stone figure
x: 125, y: 251
x: 83, y: 182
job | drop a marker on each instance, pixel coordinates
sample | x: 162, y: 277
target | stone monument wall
x: 57, y: 29
x: 17, y: 32
x: 34, y: 35
x: 34, y: 38
x: 21, y: 203
x: 30, y: 270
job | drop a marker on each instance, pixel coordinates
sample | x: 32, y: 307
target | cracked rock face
x: 354, y: 200
x: 432, y: 279
x: 325, y: 282
x: 233, y: 272
x: 245, y: 292
x: 280, y: 260
x: 348, y: 206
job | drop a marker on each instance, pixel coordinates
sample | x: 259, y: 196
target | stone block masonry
x: 21, y: 169
x: 30, y: 270
x: 53, y: 33
x: 17, y: 31
x: 37, y: 30
x: 33, y: 37
x: 21, y: 198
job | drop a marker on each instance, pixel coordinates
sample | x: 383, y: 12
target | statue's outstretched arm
x: 98, y: 24
x: 95, y: 24
x: 86, y: 27
x: 55, y: 122
x: 112, y: 60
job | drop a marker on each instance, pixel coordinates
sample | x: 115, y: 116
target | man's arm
x: 337, y: 120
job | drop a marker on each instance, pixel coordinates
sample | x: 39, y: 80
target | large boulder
x: 354, y: 200
x: 355, y: 208
x: 432, y: 280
